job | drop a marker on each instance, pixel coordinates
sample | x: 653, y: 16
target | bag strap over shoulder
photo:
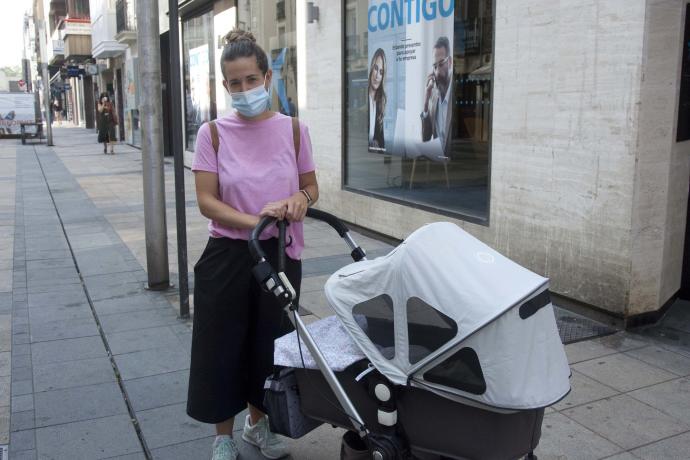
x: 214, y: 135
x: 215, y: 140
x: 296, y: 136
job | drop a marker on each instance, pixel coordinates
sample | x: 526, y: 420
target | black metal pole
x: 174, y: 92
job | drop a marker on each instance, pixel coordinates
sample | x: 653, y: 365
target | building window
x: 684, y: 102
x: 199, y: 74
x: 418, y: 103
x: 273, y: 24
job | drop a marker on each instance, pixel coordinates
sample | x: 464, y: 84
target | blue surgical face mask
x: 253, y: 102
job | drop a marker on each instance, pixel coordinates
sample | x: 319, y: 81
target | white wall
x: 565, y: 181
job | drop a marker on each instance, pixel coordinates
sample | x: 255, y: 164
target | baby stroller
x: 442, y: 348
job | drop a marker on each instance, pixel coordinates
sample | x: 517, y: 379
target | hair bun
x: 238, y: 35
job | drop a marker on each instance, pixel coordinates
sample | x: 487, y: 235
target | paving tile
x: 663, y: 358
x: 23, y: 373
x: 41, y: 315
x: 169, y: 425
x: 139, y: 456
x: 5, y: 363
x: 69, y: 374
x: 22, y: 403
x: 158, y: 390
x: 622, y: 456
x: 137, y: 320
x: 19, y: 350
x: 79, y: 403
x: 143, y: 339
x: 57, y: 351
x: 622, y: 372
x: 22, y: 421
x: 22, y: 387
x: 5, y: 391
x: 586, y: 350
x: 198, y: 448
x: 132, y: 303
x: 4, y: 424
x: 672, y: 397
x: 676, y: 447
x: 72, y: 294
x: 151, y: 362
x: 88, y: 440
x: 623, y: 341
x: 584, y: 390
x: 25, y: 455
x: 23, y: 440
x: 563, y: 438
x: 63, y: 329
x: 626, y: 421
x: 21, y: 361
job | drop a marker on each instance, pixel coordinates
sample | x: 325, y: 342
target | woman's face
x: 104, y: 99
x: 376, y: 73
x: 243, y: 74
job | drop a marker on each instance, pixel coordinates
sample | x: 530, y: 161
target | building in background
x: 68, y: 49
x: 567, y: 125
x: 115, y: 50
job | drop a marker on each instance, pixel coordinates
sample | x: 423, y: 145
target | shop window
x: 427, y: 328
x: 199, y: 74
x: 273, y: 24
x: 462, y: 371
x: 418, y: 102
x: 375, y: 318
x: 684, y: 102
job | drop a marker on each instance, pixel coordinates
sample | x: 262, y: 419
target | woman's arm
x: 211, y: 207
x: 296, y: 205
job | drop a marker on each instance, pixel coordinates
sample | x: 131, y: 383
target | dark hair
x: 443, y: 42
x: 380, y: 94
x: 240, y: 43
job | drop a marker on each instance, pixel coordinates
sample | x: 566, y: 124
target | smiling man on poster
x: 438, y: 110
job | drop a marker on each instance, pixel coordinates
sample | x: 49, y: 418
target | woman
x: 107, y: 120
x: 57, y: 110
x: 255, y: 172
x: 377, y: 100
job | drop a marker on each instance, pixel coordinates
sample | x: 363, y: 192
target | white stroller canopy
x: 445, y: 312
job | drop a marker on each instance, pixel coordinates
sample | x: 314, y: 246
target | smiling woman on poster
x: 377, y: 101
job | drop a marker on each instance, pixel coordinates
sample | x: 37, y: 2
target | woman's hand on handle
x: 277, y: 209
x: 296, y: 207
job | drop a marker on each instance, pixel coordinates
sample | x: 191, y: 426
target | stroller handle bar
x: 258, y: 254
x: 279, y: 284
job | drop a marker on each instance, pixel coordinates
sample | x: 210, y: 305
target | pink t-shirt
x: 255, y: 164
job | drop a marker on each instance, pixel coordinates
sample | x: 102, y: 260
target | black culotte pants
x: 234, y: 326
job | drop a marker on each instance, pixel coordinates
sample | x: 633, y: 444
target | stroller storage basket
x: 433, y: 424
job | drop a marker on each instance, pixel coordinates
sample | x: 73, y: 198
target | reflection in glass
x: 460, y: 182
x: 199, y: 74
x: 273, y: 24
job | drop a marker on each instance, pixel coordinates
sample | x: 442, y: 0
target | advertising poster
x: 16, y: 108
x: 199, y: 85
x: 410, y: 70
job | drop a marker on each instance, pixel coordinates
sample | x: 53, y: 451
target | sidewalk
x: 92, y: 365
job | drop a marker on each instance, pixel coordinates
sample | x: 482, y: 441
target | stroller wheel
x: 530, y: 456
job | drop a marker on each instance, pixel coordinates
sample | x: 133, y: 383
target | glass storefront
x: 273, y: 24
x: 418, y: 99
x: 199, y: 74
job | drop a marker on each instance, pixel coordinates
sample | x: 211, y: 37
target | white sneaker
x: 224, y: 448
x: 270, y: 445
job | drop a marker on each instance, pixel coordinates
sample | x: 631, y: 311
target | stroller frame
x: 388, y: 442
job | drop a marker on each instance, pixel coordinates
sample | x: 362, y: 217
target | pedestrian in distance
x: 251, y: 163
x: 107, y: 121
x: 57, y: 110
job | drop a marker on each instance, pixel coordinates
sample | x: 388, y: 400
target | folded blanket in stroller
x: 333, y: 340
